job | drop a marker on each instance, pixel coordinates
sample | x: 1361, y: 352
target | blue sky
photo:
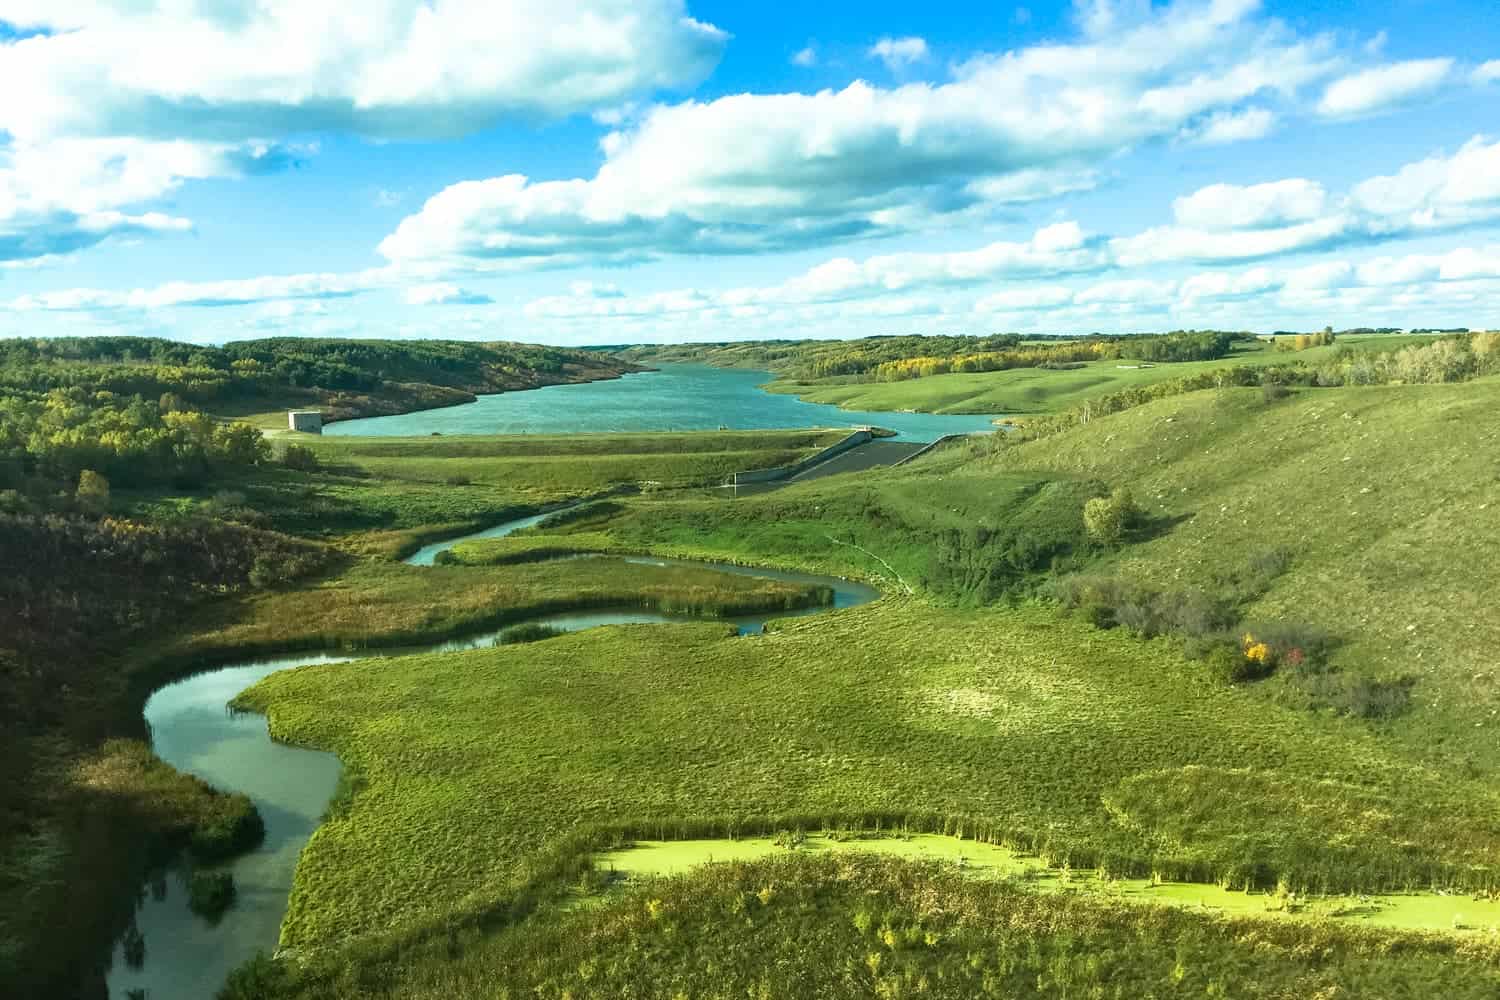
x: 608, y: 171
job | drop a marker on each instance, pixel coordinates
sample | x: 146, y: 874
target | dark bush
x: 210, y: 893
x: 300, y: 458
x: 1300, y: 647
x: 528, y: 633
x: 258, y: 979
x: 238, y: 829
x: 1369, y: 698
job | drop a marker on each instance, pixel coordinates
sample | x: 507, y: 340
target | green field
x: 1041, y: 390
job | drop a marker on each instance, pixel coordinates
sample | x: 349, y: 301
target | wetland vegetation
x: 1102, y: 645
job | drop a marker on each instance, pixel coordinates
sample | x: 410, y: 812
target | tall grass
x: 864, y: 926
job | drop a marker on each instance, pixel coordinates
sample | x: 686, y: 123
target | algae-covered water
x: 1416, y: 911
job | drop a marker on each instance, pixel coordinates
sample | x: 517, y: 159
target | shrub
x: 210, y: 893
x: 1294, y: 644
x: 1369, y: 698
x: 93, y: 491
x: 300, y: 458
x: 1106, y: 519
x: 528, y: 633
x: 236, y: 829
x: 1273, y: 391
x: 1229, y: 663
x: 260, y: 977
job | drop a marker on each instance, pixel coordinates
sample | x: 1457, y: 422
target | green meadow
x: 1017, y: 726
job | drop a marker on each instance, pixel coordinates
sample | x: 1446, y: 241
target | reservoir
x: 676, y: 398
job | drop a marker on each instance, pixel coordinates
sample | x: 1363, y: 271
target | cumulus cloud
x: 1383, y: 87
x: 1224, y: 127
x: 1258, y: 206
x: 899, y: 53
x: 764, y: 172
x: 1224, y: 222
x: 62, y: 196
x: 444, y: 294
x: 400, y: 68
x: 1488, y: 72
x: 805, y: 57
x: 1440, y: 192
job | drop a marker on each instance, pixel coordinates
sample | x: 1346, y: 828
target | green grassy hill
x: 1384, y: 498
x: 1045, y: 390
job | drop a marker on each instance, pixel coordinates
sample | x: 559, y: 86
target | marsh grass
x: 800, y: 925
x: 1003, y: 725
x: 383, y: 605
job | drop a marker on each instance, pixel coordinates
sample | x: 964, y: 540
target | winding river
x: 191, y: 728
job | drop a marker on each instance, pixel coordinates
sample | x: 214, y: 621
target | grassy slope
x: 1385, y: 496
x: 1036, y: 390
x: 560, y: 465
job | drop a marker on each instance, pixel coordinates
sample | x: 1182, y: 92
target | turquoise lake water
x: 677, y: 398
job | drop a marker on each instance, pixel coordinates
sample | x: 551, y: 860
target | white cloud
x: 399, y: 68
x: 64, y: 195
x: 235, y: 292
x: 1437, y: 193
x: 1259, y: 206
x: 388, y: 199
x: 444, y: 294
x: 805, y: 57
x: 1488, y: 72
x: 1224, y: 222
x: 1224, y: 127
x: 752, y: 173
x: 1383, y: 87
x: 899, y: 53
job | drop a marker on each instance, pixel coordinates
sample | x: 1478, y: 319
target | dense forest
x: 891, y: 359
x: 348, y: 378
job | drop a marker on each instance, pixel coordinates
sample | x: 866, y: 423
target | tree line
x: 205, y: 374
